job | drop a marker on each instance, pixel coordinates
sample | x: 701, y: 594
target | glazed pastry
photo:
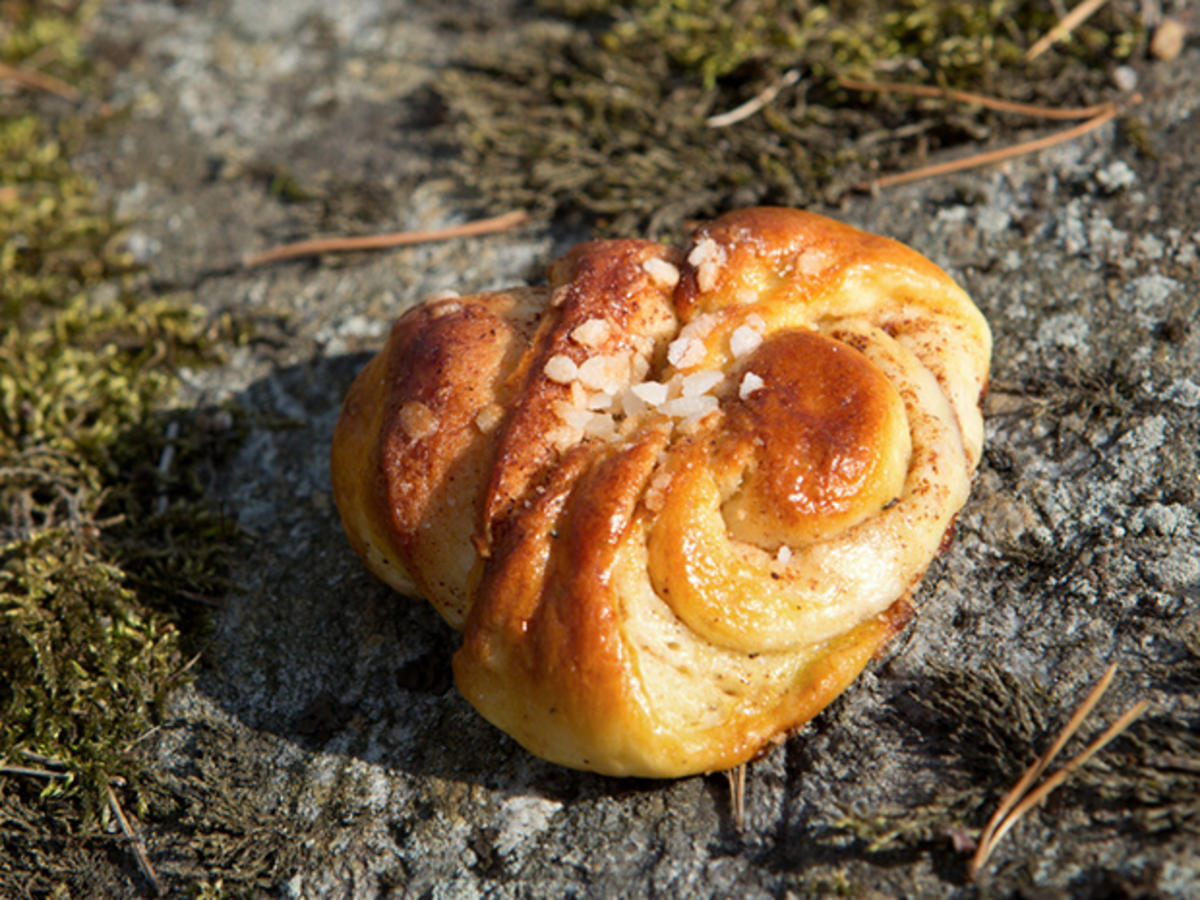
x: 675, y: 500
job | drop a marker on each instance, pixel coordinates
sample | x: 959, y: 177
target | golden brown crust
x: 830, y: 441
x: 676, y: 501
x: 602, y: 280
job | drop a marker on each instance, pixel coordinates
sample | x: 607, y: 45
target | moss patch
x: 104, y: 526
x: 597, y: 110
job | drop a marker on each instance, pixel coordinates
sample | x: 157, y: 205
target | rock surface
x: 322, y: 748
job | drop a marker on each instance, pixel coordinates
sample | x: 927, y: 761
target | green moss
x: 56, y: 241
x: 108, y: 546
x: 598, y: 111
x: 47, y: 31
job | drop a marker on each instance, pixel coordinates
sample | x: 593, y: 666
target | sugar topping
x: 688, y: 349
x: 663, y: 273
x: 699, y: 327
x: 701, y: 382
x: 445, y: 307
x: 707, y: 256
x: 652, y: 393
x: 561, y: 369
x: 591, y: 333
x: 489, y: 417
x: 606, y: 373
x: 609, y: 390
x: 744, y: 341
x: 812, y: 262
x: 685, y: 352
x: 417, y: 420
x: 750, y: 384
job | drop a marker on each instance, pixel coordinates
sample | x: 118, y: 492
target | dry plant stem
x: 179, y: 674
x: 38, y: 81
x: 139, y: 849
x: 1043, y: 790
x: 33, y: 773
x: 737, y: 795
x: 754, y: 104
x: 993, y: 156
x: 1065, y: 26
x: 382, y: 241
x: 44, y: 760
x: 149, y: 732
x: 925, y: 90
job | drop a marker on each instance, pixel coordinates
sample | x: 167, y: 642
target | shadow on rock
x: 313, y: 649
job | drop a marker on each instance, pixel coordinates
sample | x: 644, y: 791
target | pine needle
x: 1023, y: 797
x: 135, y: 840
x: 737, y: 795
x: 993, y: 156
x: 1038, y: 794
x: 382, y: 241
x: 1065, y: 26
x: 1032, y: 773
x: 925, y: 90
x: 36, y: 80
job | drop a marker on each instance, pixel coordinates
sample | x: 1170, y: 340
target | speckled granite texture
x: 323, y: 727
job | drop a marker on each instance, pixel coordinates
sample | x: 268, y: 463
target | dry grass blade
x: 1066, y: 25
x: 925, y: 90
x: 754, y: 104
x: 36, y: 80
x: 1023, y: 796
x: 383, y: 241
x: 993, y: 156
x: 737, y: 795
x: 135, y: 840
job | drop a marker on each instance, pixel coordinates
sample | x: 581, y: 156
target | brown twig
x: 135, y: 840
x: 925, y: 90
x: 36, y: 80
x: 993, y: 156
x: 1065, y: 26
x: 754, y: 104
x: 382, y: 241
x: 1022, y: 797
x: 737, y: 795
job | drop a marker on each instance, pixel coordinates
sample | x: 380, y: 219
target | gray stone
x: 323, y: 724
